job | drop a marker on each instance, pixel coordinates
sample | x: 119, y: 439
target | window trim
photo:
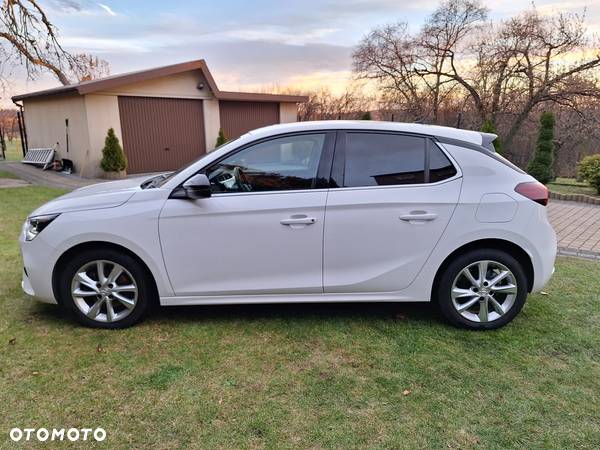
x: 323, y: 167
x: 338, y: 166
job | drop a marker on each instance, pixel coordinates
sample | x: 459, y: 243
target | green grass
x: 5, y: 174
x: 572, y: 186
x: 303, y: 376
x: 13, y: 150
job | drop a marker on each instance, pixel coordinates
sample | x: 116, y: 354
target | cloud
x: 107, y: 9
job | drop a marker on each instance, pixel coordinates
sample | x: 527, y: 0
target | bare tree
x: 506, y: 71
x: 27, y: 36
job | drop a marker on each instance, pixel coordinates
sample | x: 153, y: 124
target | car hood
x: 95, y: 196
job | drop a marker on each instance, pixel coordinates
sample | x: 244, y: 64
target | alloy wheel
x: 484, y: 291
x: 104, y: 291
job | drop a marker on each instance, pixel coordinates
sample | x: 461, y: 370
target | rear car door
x: 261, y: 231
x: 395, y: 195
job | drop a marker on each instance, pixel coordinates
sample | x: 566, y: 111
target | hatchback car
x: 332, y: 211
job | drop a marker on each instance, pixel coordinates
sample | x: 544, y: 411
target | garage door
x: 238, y: 118
x: 161, y: 134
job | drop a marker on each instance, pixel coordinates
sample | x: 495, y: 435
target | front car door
x: 395, y: 196
x: 261, y: 231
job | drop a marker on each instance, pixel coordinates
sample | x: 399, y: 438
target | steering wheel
x: 241, y: 179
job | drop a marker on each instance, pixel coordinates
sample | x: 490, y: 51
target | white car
x: 332, y: 211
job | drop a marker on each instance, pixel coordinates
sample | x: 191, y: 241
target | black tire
x: 141, y: 278
x: 444, y: 288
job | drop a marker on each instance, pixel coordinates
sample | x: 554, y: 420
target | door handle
x: 418, y: 216
x: 298, y: 220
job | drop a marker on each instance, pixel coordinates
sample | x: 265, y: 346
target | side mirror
x: 196, y: 187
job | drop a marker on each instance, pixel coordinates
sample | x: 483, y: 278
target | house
x: 164, y: 117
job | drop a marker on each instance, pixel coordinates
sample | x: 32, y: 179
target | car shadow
x: 297, y: 311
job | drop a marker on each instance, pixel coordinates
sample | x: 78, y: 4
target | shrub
x: 489, y: 127
x: 589, y: 170
x: 366, y: 116
x: 540, y: 166
x: 113, y: 158
x: 221, y: 138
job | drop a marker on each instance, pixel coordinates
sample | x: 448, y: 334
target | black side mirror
x: 196, y: 187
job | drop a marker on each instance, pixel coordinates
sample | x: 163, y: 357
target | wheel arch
x: 91, y: 245
x: 511, y: 248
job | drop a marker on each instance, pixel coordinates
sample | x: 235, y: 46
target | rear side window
x: 379, y: 159
x: 440, y: 166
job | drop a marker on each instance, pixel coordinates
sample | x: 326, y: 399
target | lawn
x: 572, y: 186
x: 13, y: 150
x: 304, y: 376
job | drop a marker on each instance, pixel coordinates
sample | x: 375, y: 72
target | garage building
x: 164, y: 117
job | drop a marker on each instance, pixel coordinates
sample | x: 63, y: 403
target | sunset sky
x: 248, y: 45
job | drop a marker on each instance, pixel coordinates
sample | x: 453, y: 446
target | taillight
x: 533, y: 190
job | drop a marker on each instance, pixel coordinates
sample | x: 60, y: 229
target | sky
x: 248, y: 45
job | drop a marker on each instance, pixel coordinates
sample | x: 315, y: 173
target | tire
x: 119, y: 302
x: 468, y: 302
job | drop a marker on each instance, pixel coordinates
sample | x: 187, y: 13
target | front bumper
x: 38, y: 261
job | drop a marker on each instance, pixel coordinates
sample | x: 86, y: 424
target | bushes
x: 589, y: 170
x: 489, y: 127
x: 113, y: 158
x: 540, y: 166
x: 221, y: 138
x: 366, y: 116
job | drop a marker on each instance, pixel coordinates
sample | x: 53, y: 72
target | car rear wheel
x: 105, y: 289
x: 482, y: 289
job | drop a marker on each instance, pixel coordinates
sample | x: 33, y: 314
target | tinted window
x: 285, y: 163
x: 440, y: 166
x: 374, y: 159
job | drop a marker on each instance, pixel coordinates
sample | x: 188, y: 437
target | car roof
x: 473, y: 137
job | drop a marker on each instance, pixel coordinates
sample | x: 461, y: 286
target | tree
x: 28, y: 37
x: 506, y: 70
x: 540, y: 166
x: 113, y: 158
x: 221, y: 138
x: 366, y: 116
x: 489, y: 127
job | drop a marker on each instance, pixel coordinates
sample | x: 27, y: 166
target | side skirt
x: 286, y: 298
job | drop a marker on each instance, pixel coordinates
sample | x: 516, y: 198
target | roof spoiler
x: 487, y: 141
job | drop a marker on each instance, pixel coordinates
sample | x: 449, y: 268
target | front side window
x: 377, y: 159
x: 286, y: 163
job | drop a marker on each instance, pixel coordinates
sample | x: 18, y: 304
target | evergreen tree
x: 221, y: 138
x: 489, y: 127
x: 540, y: 167
x: 113, y: 158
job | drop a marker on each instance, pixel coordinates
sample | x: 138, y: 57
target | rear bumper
x: 544, y: 241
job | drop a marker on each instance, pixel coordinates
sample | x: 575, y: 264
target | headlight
x: 35, y: 225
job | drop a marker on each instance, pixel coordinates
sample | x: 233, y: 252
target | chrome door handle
x: 418, y: 216
x: 298, y: 220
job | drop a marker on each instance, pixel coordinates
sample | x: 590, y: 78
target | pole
x: 19, y: 117
x: 2, y: 143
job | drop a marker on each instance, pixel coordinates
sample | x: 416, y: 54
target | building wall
x: 182, y: 85
x: 212, y: 122
x: 45, y: 123
x: 288, y: 112
x: 102, y: 114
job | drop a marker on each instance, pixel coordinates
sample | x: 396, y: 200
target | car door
x: 261, y: 231
x: 395, y: 196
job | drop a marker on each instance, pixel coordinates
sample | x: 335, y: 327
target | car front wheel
x: 105, y: 288
x: 482, y: 289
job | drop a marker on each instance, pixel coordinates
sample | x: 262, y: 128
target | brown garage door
x: 238, y: 118
x: 161, y: 134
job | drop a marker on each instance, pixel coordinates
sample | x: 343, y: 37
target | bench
x: 39, y: 157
